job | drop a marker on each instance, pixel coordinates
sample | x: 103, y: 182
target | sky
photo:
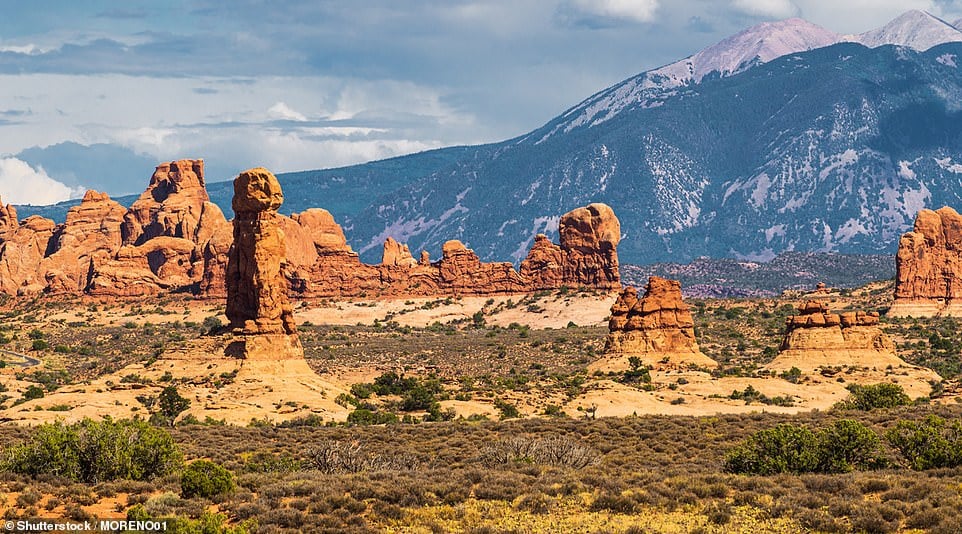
x: 93, y: 94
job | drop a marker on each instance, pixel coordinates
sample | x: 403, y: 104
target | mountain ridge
x: 715, y: 155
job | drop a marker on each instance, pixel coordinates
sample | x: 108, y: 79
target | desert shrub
x: 333, y: 457
x: 33, y: 392
x: 552, y: 450
x: 363, y: 416
x: 95, y: 451
x: 872, y: 396
x: 506, y: 409
x: 204, y: 478
x: 929, y: 443
x: 638, y: 372
x: 848, y: 445
x: 786, y: 448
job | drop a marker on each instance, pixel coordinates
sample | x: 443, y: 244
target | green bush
x: 362, y: 416
x: 873, y: 396
x: 33, y: 392
x: 928, y: 444
x: 204, y: 478
x: 845, y: 446
x: 40, y: 344
x: 95, y: 451
x: 786, y: 448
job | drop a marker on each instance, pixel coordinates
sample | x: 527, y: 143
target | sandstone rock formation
x: 174, y: 239
x: 928, y: 266
x: 164, y: 242
x: 587, y: 255
x: 658, y: 328
x: 256, y: 292
x: 817, y: 338
x: 171, y: 206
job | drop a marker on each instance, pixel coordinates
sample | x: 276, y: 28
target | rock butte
x: 928, y: 266
x: 817, y: 338
x: 658, y: 328
x: 174, y: 239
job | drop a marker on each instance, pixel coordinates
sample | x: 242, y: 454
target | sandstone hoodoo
x: 587, y: 255
x: 928, y: 266
x: 658, y: 328
x: 256, y: 292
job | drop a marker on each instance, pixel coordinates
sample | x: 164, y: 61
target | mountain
x: 777, y: 139
x: 833, y: 149
x: 915, y: 29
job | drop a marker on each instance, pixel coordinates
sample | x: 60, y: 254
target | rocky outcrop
x: 256, y: 292
x: 658, y: 328
x: 89, y: 237
x: 817, y: 337
x: 397, y: 254
x: 587, y: 255
x: 174, y: 239
x: 171, y: 206
x: 928, y: 266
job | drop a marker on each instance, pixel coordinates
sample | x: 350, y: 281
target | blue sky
x: 296, y: 85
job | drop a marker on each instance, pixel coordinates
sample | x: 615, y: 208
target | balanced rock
x: 256, y: 292
x: 928, y: 266
x: 658, y: 328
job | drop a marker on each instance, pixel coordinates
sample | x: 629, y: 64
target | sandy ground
x: 223, y: 387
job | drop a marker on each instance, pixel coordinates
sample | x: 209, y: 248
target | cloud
x: 617, y: 10
x: 22, y: 184
x: 776, y: 9
x: 282, y: 111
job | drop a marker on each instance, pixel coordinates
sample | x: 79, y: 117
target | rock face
x: 658, y: 327
x: 256, y: 292
x: 587, y: 256
x: 171, y: 206
x: 164, y: 242
x: 174, y: 239
x: 929, y: 266
x: 817, y: 337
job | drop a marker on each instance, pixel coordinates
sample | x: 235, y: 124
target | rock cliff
x: 928, y: 266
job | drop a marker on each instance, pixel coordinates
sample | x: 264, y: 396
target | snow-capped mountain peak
x: 915, y: 29
x: 759, y: 44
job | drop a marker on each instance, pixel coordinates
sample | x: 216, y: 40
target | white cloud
x: 638, y: 10
x: 776, y: 9
x: 282, y: 111
x: 22, y: 184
